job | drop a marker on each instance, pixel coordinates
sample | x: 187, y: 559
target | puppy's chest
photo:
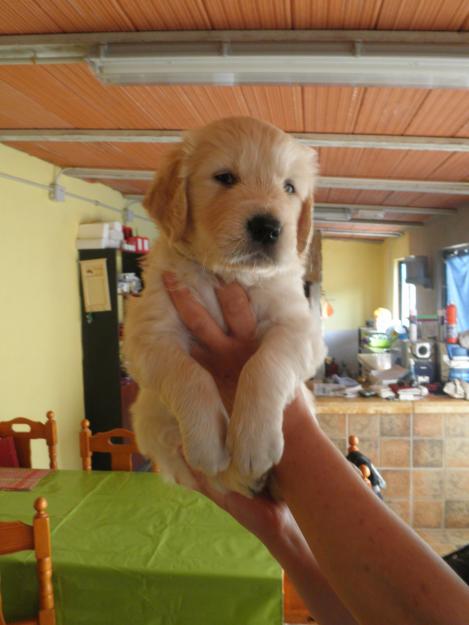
x: 264, y: 307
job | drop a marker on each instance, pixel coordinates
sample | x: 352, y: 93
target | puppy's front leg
x: 190, y: 393
x: 289, y: 354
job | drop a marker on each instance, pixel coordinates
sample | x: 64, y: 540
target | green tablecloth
x: 131, y: 550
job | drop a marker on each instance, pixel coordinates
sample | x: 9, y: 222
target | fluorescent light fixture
x: 371, y: 214
x: 339, y: 214
x: 231, y: 62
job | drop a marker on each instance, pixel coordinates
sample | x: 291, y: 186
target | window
x: 407, y: 295
x: 456, y: 282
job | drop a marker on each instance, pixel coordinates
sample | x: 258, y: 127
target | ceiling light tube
x: 277, y: 62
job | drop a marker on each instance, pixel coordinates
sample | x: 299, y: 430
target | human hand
x: 222, y: 353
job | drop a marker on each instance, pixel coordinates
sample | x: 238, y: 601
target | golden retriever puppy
x: 233, y: 200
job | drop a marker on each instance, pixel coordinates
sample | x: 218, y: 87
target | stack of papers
x: 100, y: 235
x: 411, y: 394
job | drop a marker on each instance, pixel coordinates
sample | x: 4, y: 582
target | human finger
x: 237, y: 310
x: 194, y: 316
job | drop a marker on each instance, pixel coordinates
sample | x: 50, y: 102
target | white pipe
x: 76, y: 196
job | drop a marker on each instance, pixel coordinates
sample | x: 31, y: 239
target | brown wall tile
x: 397, y: 484
x: 428, y: 453
x: 363, y: 425
x: 341, y: 445
x: 370, y: 447
x: 457, y: 514
x: 395, y: 425
x: 457, y: 452
x: 401, y: 508
x: 395, y: 452
x: 428, y: 513
x: 457, y: 484
x: 333, y: 425
x: 427, y: 483
x: 457, y: 425
x: 428, y: 425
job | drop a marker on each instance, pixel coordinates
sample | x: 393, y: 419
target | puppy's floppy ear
x: 305, y: 227
x: 166, y: 201
x: 305, y: 222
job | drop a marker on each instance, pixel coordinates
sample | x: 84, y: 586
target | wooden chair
x: 121, y: 452
x: 17, y: 536
x: 37, y: 429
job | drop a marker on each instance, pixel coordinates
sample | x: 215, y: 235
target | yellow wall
x: 40, y: 338
x: 352, y: 281
x: 394, y: 250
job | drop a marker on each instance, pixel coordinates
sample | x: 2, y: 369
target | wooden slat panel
x: 347, y: 14
x: 372, y: 197
x: 331, y: 109
x: 239, y: 14
x: 425, y: 199
x: 19, y: 109
x: 423, y: 15
x: 378, y: 227
x: 388, y: 111
x: 105, y: 155
x: 336, y: 196
x: 445, y: 112
x: 378, y: 163
x: 454, y: 167
x: 53, y: 16
x: 171, y: 15
x: 279, y: 105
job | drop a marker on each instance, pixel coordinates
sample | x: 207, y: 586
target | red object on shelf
x: 451, y: 323
x: 127, y: 230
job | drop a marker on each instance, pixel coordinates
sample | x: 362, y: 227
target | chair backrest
x: 17, y: 536
x: 36, y: 429
x: 121, y: 452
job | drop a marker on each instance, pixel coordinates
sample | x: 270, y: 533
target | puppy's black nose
x: 264, y: 229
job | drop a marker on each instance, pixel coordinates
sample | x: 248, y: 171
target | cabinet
x: 108, y: 392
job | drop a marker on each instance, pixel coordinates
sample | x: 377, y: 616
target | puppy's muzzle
x: 264, y: 229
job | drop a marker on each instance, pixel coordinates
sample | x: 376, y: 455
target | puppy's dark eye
x: 288, y: 186
x: 226, y: 178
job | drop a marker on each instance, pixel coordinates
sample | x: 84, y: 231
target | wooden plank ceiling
x: 71, y: 97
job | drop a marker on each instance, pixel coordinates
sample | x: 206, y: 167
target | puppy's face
x: 237, y: 195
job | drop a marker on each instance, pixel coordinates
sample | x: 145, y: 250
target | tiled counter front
x: 421, y: 448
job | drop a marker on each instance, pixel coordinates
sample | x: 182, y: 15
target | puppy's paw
x: 204, y: 445
x: 256, y: 445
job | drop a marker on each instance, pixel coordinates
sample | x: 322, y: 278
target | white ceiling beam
x: 327, y: 182
x: 321, y: 222
x: 108, y: 174
x: 402, y: 210
x: 360, y: 233
x: 329, y: 206
x: 318, y: 140
x: 387, y: 184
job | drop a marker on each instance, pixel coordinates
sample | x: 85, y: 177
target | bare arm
x: 365, y: 558
x: 380, y: 568
x: 271, y: 521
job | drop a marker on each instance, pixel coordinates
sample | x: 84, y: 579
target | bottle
x: 412, y: 327
x: 451, y: 323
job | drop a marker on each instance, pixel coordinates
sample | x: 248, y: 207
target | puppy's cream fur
x: 203, y: 235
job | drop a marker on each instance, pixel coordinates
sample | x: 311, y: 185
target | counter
x: 421, y: 449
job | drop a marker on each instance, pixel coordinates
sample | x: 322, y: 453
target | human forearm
x: 377, y: 565
x: 294, y: 556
